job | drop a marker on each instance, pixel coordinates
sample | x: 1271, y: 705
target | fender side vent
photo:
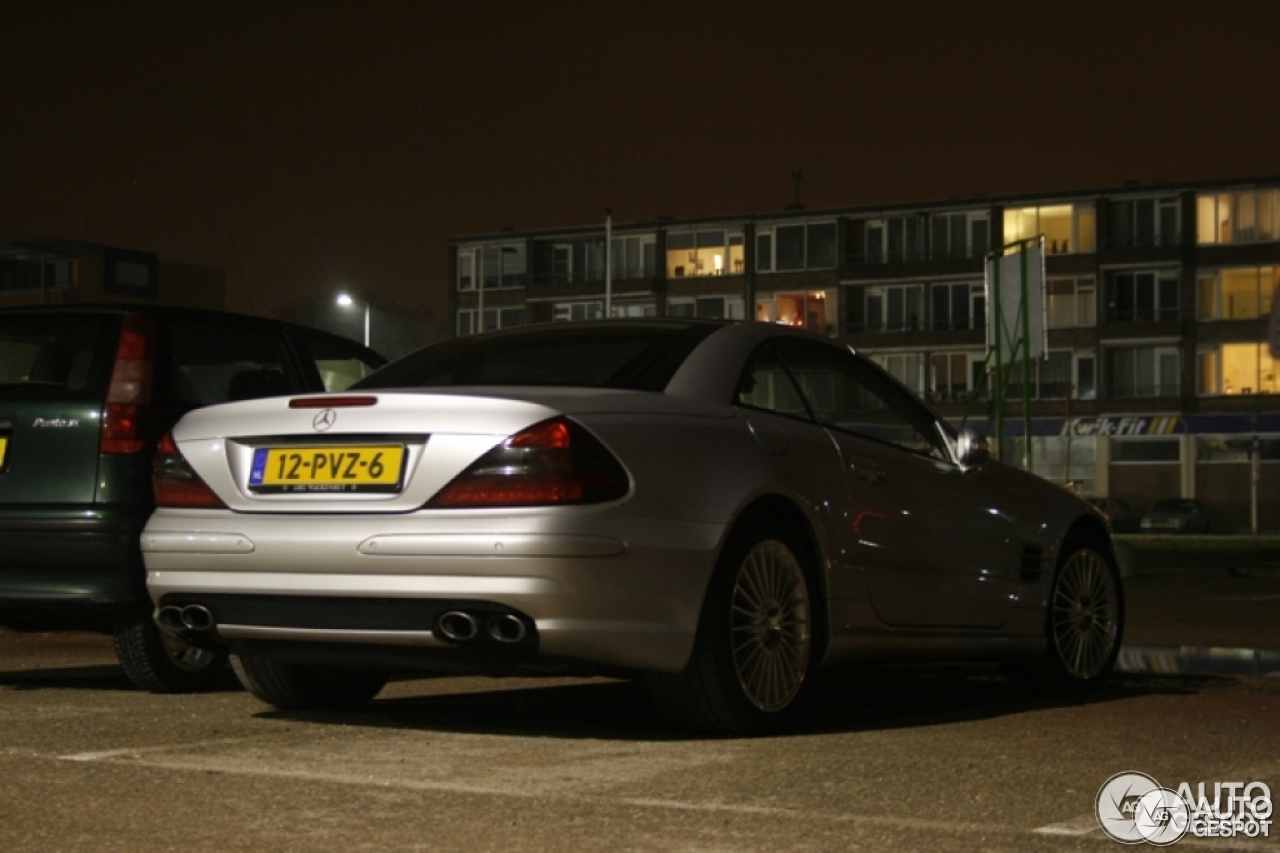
x: 1031, y: 564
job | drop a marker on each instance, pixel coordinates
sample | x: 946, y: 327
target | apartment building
x: 1157, y: 382
x: 52, y: 271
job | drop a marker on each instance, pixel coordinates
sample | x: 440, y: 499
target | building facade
x: 48, y: 271
x: 1157, y: 381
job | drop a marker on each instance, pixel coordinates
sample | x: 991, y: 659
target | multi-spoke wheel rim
x: 769, y: 625
x: 185, y: 656
x: 1084, y: 611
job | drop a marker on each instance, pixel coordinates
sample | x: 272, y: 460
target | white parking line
x: 170, y: 758
x: 1076, y: 826
x: 179, y: 758
x: 139, y: 751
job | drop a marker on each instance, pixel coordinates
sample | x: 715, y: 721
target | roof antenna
x: 795, y: 185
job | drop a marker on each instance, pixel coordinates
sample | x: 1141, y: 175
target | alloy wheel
x: 1085, y: 611
x: 770, y: 626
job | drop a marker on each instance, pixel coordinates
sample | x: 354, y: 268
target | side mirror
x: 971, y: 448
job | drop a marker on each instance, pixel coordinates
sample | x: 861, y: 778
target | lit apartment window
x: 1245, y: 368
x: 1241, y: 293
x: 1053, y: 375
x: 894, y: 240
x: 813, y: 310
x: 573, y: 260
x: 1247, y: 216
x: 634, y: 257
x: 1143, y: 296
x: 959, y: 235
x: 803, y: 246
x: 1143, y: 371
x: 1072, y: 302
x: 953, y: 375
x: 906, y: 367
x: 710, y: 252
x: 497, y: 265
x: 1086, y: 370
x: 568, y: 312
x: 633, y: 309
x: 895, y: 308
x: 1144, y: 222
x: 466, y: 280
x: 23, y: 273
x: 1050, y: 377
x: 707, y: 307
x: 562, y: 263
x: 494, y: 319
x: 957, y: 305
x: 1067, y: 228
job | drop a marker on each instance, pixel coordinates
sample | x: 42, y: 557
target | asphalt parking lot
x: 893, y: 758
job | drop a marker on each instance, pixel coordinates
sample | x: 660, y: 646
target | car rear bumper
x: 594, y: 587
x: 68, y: 559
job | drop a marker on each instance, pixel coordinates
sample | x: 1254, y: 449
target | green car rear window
x: 46, y: 357
x: 632, y: 356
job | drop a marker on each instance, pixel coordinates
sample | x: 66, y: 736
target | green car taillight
x: 128, y: 406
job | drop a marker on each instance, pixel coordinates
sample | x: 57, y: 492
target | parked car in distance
x: 1176, y: 515
x: 722, y: 509
x: 85, y: 393
x: 1119, y: 514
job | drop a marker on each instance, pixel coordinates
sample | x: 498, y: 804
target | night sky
x: 310, y: 147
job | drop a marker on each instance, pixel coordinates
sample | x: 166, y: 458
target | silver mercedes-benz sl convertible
x: 723, y: 509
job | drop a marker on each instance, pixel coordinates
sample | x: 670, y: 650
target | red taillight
x: 554, y: 462
x: 548, y: 435
x: 128, y: 407
x: 175, y: 483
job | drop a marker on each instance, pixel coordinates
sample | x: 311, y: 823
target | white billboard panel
x: 1012, y: 278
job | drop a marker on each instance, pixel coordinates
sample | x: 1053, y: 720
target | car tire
x: 750, y: 668
x: 160, y: 663
x: 306, y: 687
x: 1084, y: 624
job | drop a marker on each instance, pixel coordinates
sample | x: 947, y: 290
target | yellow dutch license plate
x: 4, y: 450
x: 363, y: 468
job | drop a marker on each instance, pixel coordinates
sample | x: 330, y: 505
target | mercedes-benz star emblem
x: 324, y: 420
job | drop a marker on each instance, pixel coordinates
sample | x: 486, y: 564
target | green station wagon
x: 85, y: 394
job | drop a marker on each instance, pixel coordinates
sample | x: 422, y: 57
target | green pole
x: 997, y: 374
x: 1027, y: 456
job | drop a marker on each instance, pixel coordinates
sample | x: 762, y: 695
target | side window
x: 217, y: 362
x: 848, y: 394
x: 339, y: 363
x: 765, y: 384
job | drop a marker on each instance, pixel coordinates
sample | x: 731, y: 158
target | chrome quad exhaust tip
x: 458, y: 626
x: 506, y: 628
x: 185, y: 621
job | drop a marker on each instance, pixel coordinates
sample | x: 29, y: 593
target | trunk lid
x: 263, y: 455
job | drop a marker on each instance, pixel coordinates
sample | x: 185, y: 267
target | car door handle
x: 867, y: 473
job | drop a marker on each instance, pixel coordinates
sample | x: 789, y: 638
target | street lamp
x: 346, y: 301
